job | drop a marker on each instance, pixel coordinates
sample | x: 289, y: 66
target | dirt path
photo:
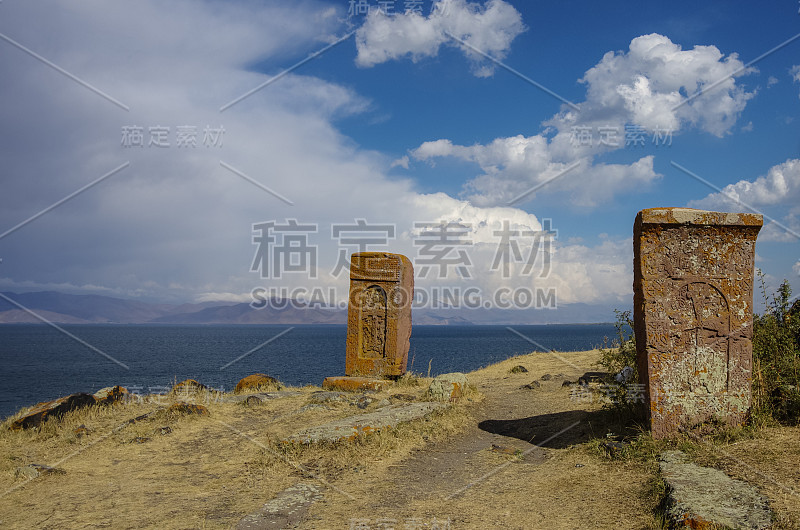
x: 466, y: 482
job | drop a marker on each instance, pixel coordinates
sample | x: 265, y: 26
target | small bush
x: 776, y: 357
x: 621, y: 397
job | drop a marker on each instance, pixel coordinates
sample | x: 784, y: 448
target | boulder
x: 257, y: 383
x: 448, y: 387
x: 189, y: 386
x: 52, y: 409
x: 703, y: 497
x: 518, y: 369
x: 111, y: 394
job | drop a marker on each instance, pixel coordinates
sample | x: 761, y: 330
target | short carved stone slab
x: 379, y: 314
x: 693, y: 312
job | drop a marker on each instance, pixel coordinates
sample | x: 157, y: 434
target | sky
x: 205, y: 150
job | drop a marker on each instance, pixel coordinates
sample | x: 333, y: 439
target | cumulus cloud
x: 772, y: 80
x: 658, y: 85
x: 655, y: 85
x: 781, y: 185
x: 796, y: 268
x: 518, y: 167
x: 489, y: 28
x: 795, y: 72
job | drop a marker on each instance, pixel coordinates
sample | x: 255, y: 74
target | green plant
x: 776, y: 357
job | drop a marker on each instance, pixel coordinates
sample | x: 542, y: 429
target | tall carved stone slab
x: 693, y: 313
x: 379, y: 314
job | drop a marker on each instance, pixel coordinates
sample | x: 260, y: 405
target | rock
x: 286, y: 510
x: 189, y: 386
x: 568, y: 383
x: 519, y: 369
x: 53, y: 409
x: 351, y: 428
x: 699, y: 497
x: 546, y: 377
x: 364, y: 402
x: 614, y: 449
x: 140, y: 440
x: 624, y: 375
x: 504, y: 449
x: 355, y: 384
x: 163, y: 431
x: 532, y: 385
x: 80, y: 431
x: 257, y: 383
x: 448, y: 387
x: 253, y: 401
x: 111, y: 394
x: 187, y: 408
x: 32, y: 471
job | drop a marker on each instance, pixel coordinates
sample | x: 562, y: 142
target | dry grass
x: 183, y: 471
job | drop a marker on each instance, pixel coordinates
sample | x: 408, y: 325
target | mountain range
x: 62, y: 308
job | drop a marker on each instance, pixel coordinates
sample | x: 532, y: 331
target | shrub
x: 776, y: 356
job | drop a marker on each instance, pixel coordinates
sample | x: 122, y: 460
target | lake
x: 40, y: 363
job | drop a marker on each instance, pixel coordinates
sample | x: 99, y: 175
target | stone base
x: 355, y: 384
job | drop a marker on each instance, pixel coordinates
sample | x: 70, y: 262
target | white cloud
x: 772, y: 80
x: 400, y: 162
x: 796, y: 268
x: 490, y: 28
x: 516, y: 165
x: 649, y: 85
x: 795, y: 72
x: 781, y: 185
x: 644, y: 86
x: 747, y: 128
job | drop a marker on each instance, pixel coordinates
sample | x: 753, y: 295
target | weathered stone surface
x: 111, y: 394
x: 448, y: 387
x: 364, y: 424
x: 693, y: 293
x: 286, y: 510
x: 32, y: 471
x: 189, y: 386
x: 518, y: 369
x: 187, y: 408
x: 355, y: 384
x: 699, y: 497
x: 52, y: 409
x: 256, y: 382
x: 379, y: 314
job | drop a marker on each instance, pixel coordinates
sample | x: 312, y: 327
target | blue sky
x: 403, y: 122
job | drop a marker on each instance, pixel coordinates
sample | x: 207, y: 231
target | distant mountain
x: 244, y: 314
x: 89, y: 309
x: 95, y: 309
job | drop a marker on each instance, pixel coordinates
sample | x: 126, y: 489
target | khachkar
x: 693, y: 313
x: 379, y: 314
